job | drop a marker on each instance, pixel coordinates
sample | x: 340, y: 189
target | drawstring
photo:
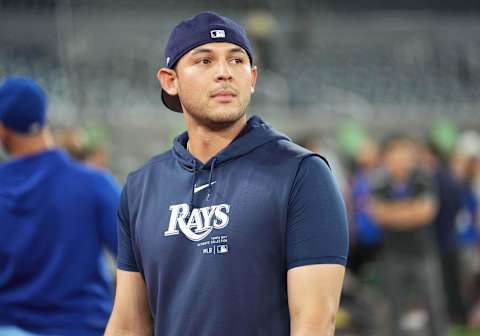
x: 194, y: 177
x: 210, y: 184
x: 212, y: 166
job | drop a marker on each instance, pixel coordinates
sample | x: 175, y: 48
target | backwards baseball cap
x: 22, y: 105
x: 206, y: 27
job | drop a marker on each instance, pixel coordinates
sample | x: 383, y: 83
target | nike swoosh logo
x: 200, y: 188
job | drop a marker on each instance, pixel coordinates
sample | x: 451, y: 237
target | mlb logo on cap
x: 217, y: 33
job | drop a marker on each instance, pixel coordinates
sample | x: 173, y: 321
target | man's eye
x: 205, y: 61
x: 238, y: 61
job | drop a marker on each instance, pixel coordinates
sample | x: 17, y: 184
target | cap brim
x: 172, y: 102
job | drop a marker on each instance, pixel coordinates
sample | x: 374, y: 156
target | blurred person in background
x: 474, y: 315
x: 56, y: 218
x: 82, y: 146
x: 369, y: 309
x: 96, y: 155
x: 403, y: 202
x: 235, y: 230
x: 71, y: 140
x: 436, y: 160
x: 366, y: 234
x: 464, y: 163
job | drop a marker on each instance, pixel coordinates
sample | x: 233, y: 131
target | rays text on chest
x: 199, y: 223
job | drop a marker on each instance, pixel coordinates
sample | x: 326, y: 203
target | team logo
x: 219, y: 33
x: 200, y: 223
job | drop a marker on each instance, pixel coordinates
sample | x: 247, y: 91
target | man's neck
x: 204, y: 143
x: 24, y: 146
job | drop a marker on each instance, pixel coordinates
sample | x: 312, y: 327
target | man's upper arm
x: 317, y: 248
x: 131, y: 314
x: 313, y: 298
x: 125, y: 255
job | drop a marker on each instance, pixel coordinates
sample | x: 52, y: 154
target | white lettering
x: 208, y: 215
x: 179, y: 213
x: 195, y: 221
x: 222, y: 216
x: 200, y: 223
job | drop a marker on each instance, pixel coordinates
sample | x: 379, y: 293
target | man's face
x: 400, y: 158
x: 214, y: 82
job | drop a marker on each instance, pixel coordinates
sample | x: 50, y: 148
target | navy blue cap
x: 206, y: 27
x: 23, y: 105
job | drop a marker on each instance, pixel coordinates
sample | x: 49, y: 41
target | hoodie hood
x: 256, y: 133
x: 21, y: 178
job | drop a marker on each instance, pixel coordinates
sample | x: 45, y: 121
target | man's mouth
x: 224, y: 95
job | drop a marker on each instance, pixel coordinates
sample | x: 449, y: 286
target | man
x: 449, y: 203
x: 55, y: 218
x: 367, y: 242
x: 403, y: 202
x: 236, y: 230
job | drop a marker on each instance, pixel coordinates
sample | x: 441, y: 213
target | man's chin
x: 220, y: 118
x: 226, y: 117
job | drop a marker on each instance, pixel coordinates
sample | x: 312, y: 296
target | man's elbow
x: 127, y: 327
x: 120, y: 331
x: 315, y: 323
x: 112, y: 331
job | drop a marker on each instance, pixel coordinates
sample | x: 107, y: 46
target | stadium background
x: 327, y: 69
x: 321, y: 62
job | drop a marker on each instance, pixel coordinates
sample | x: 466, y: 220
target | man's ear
x: 3, y: 132
x: 254, y: 72
x: 168, y: 80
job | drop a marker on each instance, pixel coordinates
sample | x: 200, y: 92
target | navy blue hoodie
x: 214, y: 241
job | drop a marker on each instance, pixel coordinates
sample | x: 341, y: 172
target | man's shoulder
x: 289, y: 150
x: 152, y: 164
x: 286, y: 148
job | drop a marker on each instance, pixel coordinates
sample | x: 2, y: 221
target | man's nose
x: 223, y: 71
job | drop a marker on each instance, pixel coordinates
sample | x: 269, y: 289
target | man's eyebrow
x: 235, y: 50
x: 201, y: 50
x: 207, y: 50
